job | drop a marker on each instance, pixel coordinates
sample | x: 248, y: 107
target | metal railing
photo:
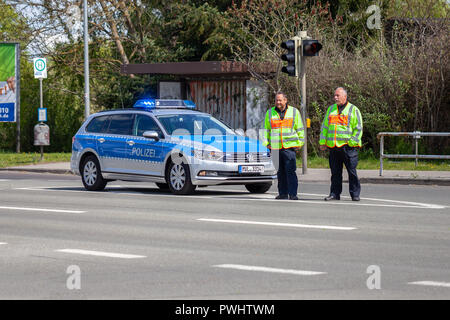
x: 416, y: 135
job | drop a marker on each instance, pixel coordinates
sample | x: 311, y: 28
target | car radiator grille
x: 251, y: 157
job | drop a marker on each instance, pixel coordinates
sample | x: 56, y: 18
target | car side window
x: 145, y: 123
x: 98, y: 124
x: 121, y: 124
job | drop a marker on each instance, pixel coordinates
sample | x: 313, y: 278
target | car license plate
x: 251, y: 169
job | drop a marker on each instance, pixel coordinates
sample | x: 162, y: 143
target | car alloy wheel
x: 90, y: 173
x: 177, y: 177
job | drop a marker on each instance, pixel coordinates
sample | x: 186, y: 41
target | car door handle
x: 101, y: 140
x: 131, y: 143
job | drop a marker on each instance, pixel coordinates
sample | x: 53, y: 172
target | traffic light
x: 310, y: 48
x: 290, y: 57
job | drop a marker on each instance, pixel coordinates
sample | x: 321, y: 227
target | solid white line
x: 266, y: 197
x: 266, y: 269
x: 101, y: 253
x: 3, y: 243
x: 277, y: 224
x: 431, y: 283
x: 42, y: 209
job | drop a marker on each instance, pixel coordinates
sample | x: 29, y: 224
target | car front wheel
x: 179, y: 179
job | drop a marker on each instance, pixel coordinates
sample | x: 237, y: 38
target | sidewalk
x: 441, y: 178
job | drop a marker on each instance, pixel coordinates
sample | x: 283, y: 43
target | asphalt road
x: 133, y: 241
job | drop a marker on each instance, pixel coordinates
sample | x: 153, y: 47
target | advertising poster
x: 8, y: 81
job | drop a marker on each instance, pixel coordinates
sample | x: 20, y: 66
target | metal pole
x: 18, y: 96
x: 302, y: 78
x: 87, y: 103
x: 41, y: 99
x: 381, y: 154
x: 304, y: 116
x: 417, y: 149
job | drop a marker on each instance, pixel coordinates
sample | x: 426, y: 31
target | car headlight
x: 207, y: 155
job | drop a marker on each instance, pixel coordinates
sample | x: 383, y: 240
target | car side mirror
x: 151, y: 135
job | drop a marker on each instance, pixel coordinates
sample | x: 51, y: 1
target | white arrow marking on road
x: 431, y: 283
x: 42, y: 209
x: 277, y: 224
x: 266, y: 269
x: 101, y: 253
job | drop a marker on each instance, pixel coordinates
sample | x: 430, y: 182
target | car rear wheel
x: 179, y: 179
x: 91, y: 174
x: 258, y: 187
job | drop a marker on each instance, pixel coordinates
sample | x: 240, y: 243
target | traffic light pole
x: 302, y: 86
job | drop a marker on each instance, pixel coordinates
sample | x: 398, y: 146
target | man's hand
x: 11, y: 84
x: 322, y: 147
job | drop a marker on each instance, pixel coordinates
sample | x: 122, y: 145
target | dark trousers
x: 348, y: 156
x: 287, y: 177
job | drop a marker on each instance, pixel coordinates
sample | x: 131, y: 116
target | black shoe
x: 356, y: 199
x: 331, y: 198
x: 293, y: 198
x: 281, y: 197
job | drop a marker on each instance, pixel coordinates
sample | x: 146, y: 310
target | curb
x: 425, y: 181
x: 57, y: 171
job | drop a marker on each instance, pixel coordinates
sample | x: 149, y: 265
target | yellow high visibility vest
x: 339, y: 129
x: 286, y: 133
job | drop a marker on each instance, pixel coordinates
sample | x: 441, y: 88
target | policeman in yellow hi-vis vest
x: 284, y: 135
x: 341, y: 133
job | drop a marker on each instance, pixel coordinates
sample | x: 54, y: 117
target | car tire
x: 179, y: 178
x: 162, y: 186
x: 91, y: 174
x: 258, y: 187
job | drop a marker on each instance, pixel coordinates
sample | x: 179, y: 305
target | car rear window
x: 121, y: 124
x: 98, y: 124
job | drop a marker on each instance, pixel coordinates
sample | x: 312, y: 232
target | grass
x: 10, y: 159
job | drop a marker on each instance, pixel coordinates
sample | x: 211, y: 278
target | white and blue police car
x: 169, y: 143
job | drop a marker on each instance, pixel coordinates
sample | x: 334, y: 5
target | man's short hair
x: 345, y: 91
x: 282, y: 93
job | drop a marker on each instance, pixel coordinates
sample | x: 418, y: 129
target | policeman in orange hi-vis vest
x: 341, y: 133
x: 284, y: 135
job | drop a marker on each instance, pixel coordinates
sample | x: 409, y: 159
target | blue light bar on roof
x: 149, y: 104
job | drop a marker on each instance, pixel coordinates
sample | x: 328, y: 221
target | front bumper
x: 228, y: 173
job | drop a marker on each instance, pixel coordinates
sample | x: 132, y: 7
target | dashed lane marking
x: 41, y: 209
x: 277, y: 224
x: 267, y: 269
x: 431, y: 283
x: 101, y: 253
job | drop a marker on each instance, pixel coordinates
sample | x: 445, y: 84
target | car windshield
x: 193, y: 124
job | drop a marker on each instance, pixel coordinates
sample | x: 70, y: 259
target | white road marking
x: 42, y: 209
x: 277, y: 224
x: 101, y: 253
x: 431, y: 283
x: 1, y: 180
x: 262, y: 197
x: 3, y: 243
x: 266, y: 269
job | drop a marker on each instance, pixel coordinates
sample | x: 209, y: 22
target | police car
x: 169, y: 143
